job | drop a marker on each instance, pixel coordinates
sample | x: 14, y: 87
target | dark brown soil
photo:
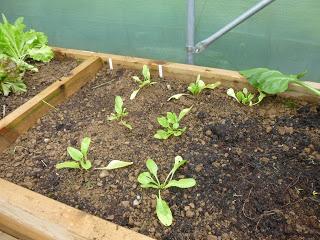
x: 48, y: 73
x: 256, y: 168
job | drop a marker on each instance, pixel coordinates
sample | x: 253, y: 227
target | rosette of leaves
x: 146, y: 81
x: 245, y: 97
x: 150, y: 180
x: 21, y: 45
x: 10, y: 77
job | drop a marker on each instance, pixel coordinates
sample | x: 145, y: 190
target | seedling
x: 115, y: 164
x: 197, y: 87
x: 80, y: 157
x: 10, y: 77
x: 119, y: 112
x: 274, y: 82
x: 171, y: 124
x: 245, y: 97
x: 142, y: 83
x: 150, y: 180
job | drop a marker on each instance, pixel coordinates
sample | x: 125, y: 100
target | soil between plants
x: 256, y: 168
x: 48, y: 73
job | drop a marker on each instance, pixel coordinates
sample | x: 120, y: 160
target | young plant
x: 20, y: 45
x: 80, y: 157
x: 119, y: 113
x: 171, y: 124
x: 10, y: 77
x: 274, y: 82
x: 142, y: 83
x: 150, y: 180
x: 197, y: 87
x: 245, y: 97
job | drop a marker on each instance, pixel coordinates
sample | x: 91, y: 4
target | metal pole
x: 256, y: 8
x: 190, y: 31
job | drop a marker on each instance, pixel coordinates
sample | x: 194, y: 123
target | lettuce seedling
x: 245, y: 97
x: 119, y: 113
x: 197, y: 87
x: 20, y: 45
x: 150, y: 180
x: 10, y: 77
x: 142, y: 83
x: 171, y: 124
x: 274, y: 82
x: 80, y: 157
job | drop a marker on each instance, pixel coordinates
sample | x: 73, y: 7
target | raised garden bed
x: 256, y: 168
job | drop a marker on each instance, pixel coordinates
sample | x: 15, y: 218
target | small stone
x: 307, y: 150
x: 264, y: 160
x: 136, y: 202
x: 285, y: 148
x: 103, y: 174
x: 208, y: 133
x: 285, y: 130
x: 189, y: 213
x: 268, y: 129
x: 199, y: 168
x: 110, y: 217
x: 8, y: 175
x: 125, y: 204
x: 99, y: 184
x: 211, y: 237
x: 46, y: 140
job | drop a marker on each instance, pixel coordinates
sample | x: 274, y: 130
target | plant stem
x: 307, y: 86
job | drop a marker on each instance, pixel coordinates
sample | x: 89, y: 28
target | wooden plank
x: 4, y: 236
x: 25, y: 116
x: 188, y: 73
x: 29, y: 215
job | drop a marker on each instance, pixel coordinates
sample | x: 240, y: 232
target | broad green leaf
x: 275, y: 85
x: 115, y: 164
x: 301, y: 75
x: 118, y: 105
x: 177, y: 96
x: 152, y: 167
x: 145, y: 178
x: 75, y: 154
x: 184, y: 112
x: 134, y: 94
x: 127, y: 125
x: 163, y: 212
x: 146, y: 72
x: 163, y: 122
x: 172, y: 117
x: 68, y: 164
x: 175, y: 125
x: 201, y: 85
x: 182, y: 183
x: 150, y: 185
x: 213, y: 85
x: 85, y: 143
x: 178, y: 133
x: 43, y: 54
x: 86, y: 164
x: 193, y: 88
x: 161, y: 134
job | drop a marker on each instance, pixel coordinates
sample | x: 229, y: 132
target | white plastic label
x: 160, y: 71
x: 110, y: 64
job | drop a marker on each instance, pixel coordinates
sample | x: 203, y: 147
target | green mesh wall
x: 285, y: 35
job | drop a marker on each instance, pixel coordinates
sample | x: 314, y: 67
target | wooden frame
x: 27, y: 215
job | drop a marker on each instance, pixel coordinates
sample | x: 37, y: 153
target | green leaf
x: 86, y: 164
x: 127, y: 125
x: 75, y: 154
x: 213, y: 85
x: 85, y: 143
x: 68, y: 164
x: 146, y: 72
x: 178, y: 162
x: 134, y: 94
x: 184, y: 112
x: 43, y: 54
x: 150, y: 185
x: 231, y: 93
x: 177, y: 96
x: 175, y: 125
x: 161, y: 134
x: 182, y: 183
x: 152, y: 167
x: 118, y: 105
x: 178, y: 133
x: 115, y: 164
x: 163, y: 122
x: 137, y: 79
x: 145, y: 178
x: 172, y: 117
x: 163, y: 212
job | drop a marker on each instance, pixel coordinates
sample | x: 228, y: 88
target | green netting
x: 285, y: 35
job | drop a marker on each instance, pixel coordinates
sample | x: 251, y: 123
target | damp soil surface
x: 48, y: 73
x: 257, y: 168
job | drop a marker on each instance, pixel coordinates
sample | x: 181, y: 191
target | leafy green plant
x: 80, y: 157
x: 150, y: 180
x: 10, y: 77
x: 20, y: 45
x: 171, y: 124
x: 146, y: 81
x: 197, y: 87
x: 245, y: 97
x: 119, y: 112
x: 273, y: 82
x: 115, y: 164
